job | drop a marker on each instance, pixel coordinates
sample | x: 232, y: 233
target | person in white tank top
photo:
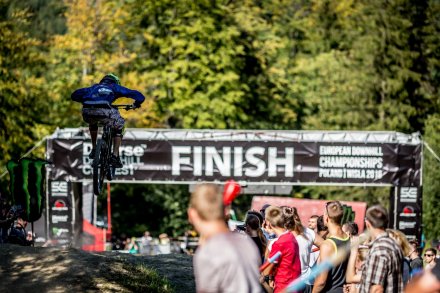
x: 305, y: 237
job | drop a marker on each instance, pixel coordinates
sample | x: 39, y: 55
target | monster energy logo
x: 27, y: 186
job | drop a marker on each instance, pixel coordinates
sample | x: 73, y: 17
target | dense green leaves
x: 22, y: 101
x: 431, y: 201
x: 250, y: 64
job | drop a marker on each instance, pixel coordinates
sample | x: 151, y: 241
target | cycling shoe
x: 116, y: 162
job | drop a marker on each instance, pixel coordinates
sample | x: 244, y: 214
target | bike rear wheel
x: 99, y: 166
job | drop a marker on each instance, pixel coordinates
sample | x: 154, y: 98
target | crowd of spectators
x: 274, y: 252
x: 149, y: 245
x: 287, y: 256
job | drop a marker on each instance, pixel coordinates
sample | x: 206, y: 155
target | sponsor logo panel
x: 60, y: 212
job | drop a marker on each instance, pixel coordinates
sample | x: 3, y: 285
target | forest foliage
x: 225, y: 64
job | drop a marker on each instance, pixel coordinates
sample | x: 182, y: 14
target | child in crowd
x: 288, y: 266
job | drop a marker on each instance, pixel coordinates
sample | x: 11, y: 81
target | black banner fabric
x: 406, y: 204
x: 60, y: 213
x: 256, y: 162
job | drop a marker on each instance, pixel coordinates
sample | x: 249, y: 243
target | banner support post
x: 109, y: 214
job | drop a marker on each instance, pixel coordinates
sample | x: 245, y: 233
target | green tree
x: 97, y: 41
x: 431, y: 179
x: 214, y: 65
x: 45, y: 17
x: 22, y: 102
x: 251, y: 64
x: 362, y: 66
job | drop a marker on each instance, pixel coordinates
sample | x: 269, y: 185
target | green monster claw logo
x: 27, y: 186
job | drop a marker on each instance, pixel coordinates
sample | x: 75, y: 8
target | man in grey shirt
x: 225, y: 261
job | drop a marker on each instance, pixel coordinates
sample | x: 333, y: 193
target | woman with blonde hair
x: 400, y: 239
x: 358, y: 255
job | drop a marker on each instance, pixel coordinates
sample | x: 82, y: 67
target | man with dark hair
x: 313, y: 221
x: 383, y: 267
x: 225, y: 261
x: 351, y: 228
x: 426, y: 282
x: 378, y: 217
x: 334, y: 279
x: 415, y: 261
x: 321, y: 229
x: 429, y: 256
x: 263, y: 209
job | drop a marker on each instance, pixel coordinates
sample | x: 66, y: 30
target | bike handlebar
x: 126, y: 107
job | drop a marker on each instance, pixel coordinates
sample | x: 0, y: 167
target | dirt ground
x: 37, y: 269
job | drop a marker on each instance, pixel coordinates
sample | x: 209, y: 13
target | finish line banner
x: 254, y: 162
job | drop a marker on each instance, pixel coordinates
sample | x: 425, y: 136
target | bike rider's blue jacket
x: 106, y: 93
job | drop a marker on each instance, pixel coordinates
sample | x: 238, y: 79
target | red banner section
x: 309, y: 207
x: 94, y: 238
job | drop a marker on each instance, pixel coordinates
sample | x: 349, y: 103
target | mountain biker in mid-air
x: 96, y: 101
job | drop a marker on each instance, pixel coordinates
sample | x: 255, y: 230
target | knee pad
x: 118, y: 132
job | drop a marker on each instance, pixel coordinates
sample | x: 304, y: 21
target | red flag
x: 230, y: 192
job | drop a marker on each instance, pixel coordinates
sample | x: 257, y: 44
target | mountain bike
x: 104, y: 149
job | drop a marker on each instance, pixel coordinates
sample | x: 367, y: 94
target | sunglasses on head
x: 326, y: 206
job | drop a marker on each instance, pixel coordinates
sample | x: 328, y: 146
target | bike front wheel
x: 99, y: 166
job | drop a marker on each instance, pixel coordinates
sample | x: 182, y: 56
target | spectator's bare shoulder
x: 327, y: 249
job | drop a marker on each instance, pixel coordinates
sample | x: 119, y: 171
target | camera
x: 241, y: 227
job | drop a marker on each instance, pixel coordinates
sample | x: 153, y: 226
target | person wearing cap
x: 96, y: 101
